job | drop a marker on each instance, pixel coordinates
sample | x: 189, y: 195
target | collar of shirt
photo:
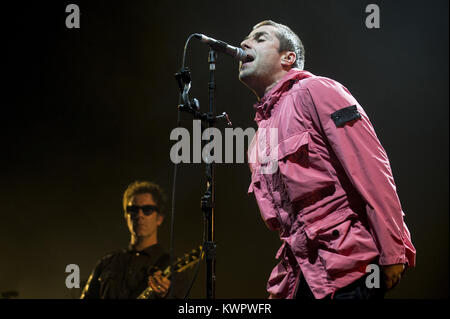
x: 154, y: 250
x: 264, y: 106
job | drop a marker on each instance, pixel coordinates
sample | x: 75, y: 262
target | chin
x: 244, y: 76
x: 140, y: 232
x: 143, y: 235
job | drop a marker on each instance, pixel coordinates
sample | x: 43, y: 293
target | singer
x: 333, y: 198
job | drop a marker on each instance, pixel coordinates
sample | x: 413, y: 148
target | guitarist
x: 127, y: 273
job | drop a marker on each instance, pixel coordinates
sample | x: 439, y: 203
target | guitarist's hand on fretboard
x: 159, y: 284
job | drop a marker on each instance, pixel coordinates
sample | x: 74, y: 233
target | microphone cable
x: 174, y: 181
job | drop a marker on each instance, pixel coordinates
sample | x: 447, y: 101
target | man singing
x: 332, y: 198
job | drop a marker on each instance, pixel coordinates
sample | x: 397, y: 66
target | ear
x: 159, y: 219
x: 288, y: 58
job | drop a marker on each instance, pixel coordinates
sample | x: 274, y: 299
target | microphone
x: 221, y: 46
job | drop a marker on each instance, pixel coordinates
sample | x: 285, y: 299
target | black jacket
x: 124, y: 274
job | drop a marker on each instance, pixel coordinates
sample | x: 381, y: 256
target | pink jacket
x: 333, y: 198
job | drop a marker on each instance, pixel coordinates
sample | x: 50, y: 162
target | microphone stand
x: 208, y: 198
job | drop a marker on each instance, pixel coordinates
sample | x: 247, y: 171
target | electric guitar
x: 181, y: 264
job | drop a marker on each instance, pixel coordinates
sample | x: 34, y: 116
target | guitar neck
x: 181, y: 265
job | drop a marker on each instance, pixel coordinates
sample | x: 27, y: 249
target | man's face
x: 263, y: 45
x: 138, y: 223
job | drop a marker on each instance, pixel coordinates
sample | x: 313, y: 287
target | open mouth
x: 250, y: 58
x: 247, y: 62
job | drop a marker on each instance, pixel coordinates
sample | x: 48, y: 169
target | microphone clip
x: 183, y: 79
x: 193, y: 106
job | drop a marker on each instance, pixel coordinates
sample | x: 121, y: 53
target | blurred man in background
x: 127, y: 273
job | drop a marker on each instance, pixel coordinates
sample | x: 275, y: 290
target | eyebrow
x: 257, y: 35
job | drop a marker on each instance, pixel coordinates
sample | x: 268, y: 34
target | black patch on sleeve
x: 347, y: 114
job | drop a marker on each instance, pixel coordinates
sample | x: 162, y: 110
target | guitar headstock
x: 187, y: 261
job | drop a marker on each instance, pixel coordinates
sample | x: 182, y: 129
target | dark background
x: 86, y: 111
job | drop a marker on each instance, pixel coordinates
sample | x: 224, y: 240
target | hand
x: 159, y: 284
x: 393, y: 274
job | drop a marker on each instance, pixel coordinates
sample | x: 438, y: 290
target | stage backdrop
x: 85, y: 111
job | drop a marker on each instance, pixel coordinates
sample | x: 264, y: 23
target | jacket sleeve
x: 92, y: 288
x: 346, y: 127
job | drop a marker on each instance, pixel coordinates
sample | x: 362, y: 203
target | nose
x: 246, y: 44
x: 139, y: 214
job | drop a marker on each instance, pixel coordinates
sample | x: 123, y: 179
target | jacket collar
x: 264, y: 106
x: 155, y: 249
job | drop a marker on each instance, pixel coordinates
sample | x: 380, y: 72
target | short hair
x: 144, y: 187
x: 289, y: 41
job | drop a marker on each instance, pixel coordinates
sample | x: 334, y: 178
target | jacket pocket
x: 302, y: 170
x: 343, y: 244
x: 328, y: 225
